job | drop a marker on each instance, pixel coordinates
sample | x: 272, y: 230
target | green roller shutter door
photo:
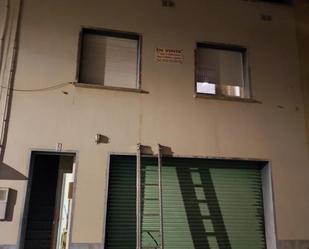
x: 121, y: 218
x: 206, y: 204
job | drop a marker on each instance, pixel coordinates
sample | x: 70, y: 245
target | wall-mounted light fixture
x: 101, y: 139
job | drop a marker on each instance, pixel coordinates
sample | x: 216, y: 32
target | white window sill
x: 226, y: 98
x: 110, y: 88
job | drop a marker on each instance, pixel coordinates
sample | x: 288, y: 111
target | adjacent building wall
x: 302, y: 28
x: 170, y: 114
x: 302, y: 17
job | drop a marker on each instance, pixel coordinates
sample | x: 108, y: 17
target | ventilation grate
x: 168, y: 3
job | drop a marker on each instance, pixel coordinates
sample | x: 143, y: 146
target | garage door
x: 206, y: 204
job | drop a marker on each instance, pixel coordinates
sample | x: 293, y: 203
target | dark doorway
x: 49, y: 201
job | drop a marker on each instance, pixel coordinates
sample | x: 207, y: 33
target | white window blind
x: 220, y: 67
x: 109, y: 61
x: 121, y: 62
x: 220, y: 71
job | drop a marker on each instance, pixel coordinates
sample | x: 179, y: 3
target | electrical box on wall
x: 4, y: 195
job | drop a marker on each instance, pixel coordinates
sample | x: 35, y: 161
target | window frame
x: 245, y: 66
x: 108, y: 33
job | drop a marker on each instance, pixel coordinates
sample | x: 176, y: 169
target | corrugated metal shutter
x: 206, y: 204
x: 212, y: 204
x: 121, y: 211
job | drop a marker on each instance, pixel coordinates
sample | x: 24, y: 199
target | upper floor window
x: 221, y: 70
x: 109, y: 58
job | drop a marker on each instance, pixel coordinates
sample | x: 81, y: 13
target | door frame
x: 24, y: 214
x: 270, y: 224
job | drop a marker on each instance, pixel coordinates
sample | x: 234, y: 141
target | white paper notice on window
x: 169, y: 55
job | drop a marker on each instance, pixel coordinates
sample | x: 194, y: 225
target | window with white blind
x: 109, y: 58
x: 221, y: 70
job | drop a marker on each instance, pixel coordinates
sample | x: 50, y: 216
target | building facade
x: 55, y: 110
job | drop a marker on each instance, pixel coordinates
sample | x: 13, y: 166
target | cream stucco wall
x: 169, y: 114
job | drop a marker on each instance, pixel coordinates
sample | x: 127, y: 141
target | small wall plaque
x: 169, y: 55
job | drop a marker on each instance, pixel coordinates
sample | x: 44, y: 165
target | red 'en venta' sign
x: 169, y: 55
